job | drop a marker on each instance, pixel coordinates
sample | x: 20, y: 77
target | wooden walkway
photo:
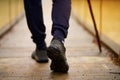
x: 83, y: 55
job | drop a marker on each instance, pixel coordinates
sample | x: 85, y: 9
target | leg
x: 34, y: 15
x: 60, y: 17
x: 56, y: 50
x: 35, y: 22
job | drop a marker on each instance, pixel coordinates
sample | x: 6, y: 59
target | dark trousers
x: 60, y: 17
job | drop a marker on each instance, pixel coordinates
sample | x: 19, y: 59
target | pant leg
x: 60, y: 17
x: 34, y: 15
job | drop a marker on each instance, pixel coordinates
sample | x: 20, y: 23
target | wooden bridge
x: 85, y: 61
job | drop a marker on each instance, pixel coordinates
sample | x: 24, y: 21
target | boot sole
x: 59, y: 63
x: 39, y: 61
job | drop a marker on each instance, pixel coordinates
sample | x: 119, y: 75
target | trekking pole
x: 95, y: 27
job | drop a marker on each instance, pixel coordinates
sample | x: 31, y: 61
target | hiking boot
x: 40, y: 56
x: 56, y: 52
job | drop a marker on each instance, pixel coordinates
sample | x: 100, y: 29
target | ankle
x: 43, y: 48
x: 59, y: 39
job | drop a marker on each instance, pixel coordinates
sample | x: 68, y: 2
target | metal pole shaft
x: 95, y: 27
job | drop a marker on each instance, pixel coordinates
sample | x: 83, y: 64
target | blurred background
x: 106, y: 13
x: 107, y: 17
x: 9, y: 11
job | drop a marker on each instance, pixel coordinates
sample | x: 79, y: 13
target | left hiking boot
x: 56, y: 52
x: 40, y: 56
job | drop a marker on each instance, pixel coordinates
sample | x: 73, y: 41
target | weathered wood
x: 84, y: 60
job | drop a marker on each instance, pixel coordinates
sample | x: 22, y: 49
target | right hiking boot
x: 56, y: 52
x: 40, y: 56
